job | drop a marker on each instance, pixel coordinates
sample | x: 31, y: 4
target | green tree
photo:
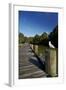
x: 21, y: 38
x: 44, y: 39
x: 36, y: 39
x: 30, y: 40
x: 53, y: 37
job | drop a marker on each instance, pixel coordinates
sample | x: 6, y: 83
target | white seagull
x: 50, y: 45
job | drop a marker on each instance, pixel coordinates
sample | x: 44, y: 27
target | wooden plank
x: 29, y: 67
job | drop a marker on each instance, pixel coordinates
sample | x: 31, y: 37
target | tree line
x: 42, y: 39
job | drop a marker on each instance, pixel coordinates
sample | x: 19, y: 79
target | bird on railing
x: 51, y: 45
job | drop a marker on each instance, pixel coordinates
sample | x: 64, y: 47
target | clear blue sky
x: 32, y: 23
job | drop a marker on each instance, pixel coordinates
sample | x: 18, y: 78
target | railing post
x: 51, y: 62
x: 31, y: 45
x: 36, y: 49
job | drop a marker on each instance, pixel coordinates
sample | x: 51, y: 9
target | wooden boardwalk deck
x: 29, y: 65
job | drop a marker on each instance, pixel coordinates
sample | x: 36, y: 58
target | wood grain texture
x: 29, y: 65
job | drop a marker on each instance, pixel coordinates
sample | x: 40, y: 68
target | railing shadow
x: 38, y: 63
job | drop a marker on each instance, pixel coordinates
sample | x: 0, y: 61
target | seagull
x: 50, y: 45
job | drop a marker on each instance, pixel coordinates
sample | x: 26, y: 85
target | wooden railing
x: 51, y: 60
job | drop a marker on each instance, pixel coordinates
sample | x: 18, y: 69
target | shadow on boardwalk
x: 30, y: 65
x: 38, y: 63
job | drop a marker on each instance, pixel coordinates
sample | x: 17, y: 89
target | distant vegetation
x: 21, y: 38
x: 41, y: 39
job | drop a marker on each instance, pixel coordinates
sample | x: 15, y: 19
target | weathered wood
x: 36, y: 49
x: 31, y: 45
x: 29, y: 66
x: 51, y: 62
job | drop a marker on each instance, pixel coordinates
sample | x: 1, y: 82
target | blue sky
x: 32, y: 23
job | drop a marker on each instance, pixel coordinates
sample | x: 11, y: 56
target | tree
x: 36, y: 39
x: 44, y: 39
x: 21, y: 38
x: 30, y: 40
x: 53, y: 37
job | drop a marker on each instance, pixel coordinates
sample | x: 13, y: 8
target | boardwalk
x: 29, y: 65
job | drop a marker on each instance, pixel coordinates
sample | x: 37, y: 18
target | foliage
x: 53, y: 37
x: 36, y: 39
x: 21, y: 38
x: 30, y: 40
x: 42, y: 39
